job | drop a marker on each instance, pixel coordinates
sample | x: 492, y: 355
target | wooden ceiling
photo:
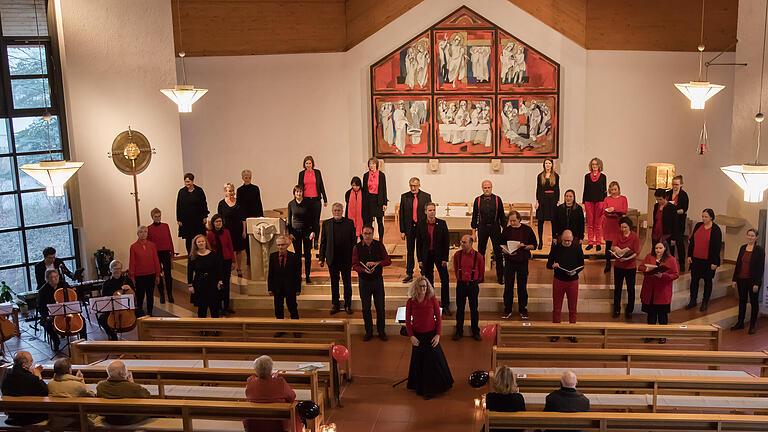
x: 249, y: 27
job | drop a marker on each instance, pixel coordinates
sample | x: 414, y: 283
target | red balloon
x: 340, y: 353
x: 488, y: 332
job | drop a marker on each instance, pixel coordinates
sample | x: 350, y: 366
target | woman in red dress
x: 660, y: 270
x: 615, y: 207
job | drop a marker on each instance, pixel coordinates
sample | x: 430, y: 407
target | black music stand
x: 67, y: 308
x: 107, y: 304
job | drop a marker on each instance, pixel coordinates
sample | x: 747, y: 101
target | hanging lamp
x: 699, y: 91
x: 184, y: 95
x: 52, y: 174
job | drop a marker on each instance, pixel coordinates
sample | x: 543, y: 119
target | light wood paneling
x: 568, y: 17
x: 366, y: 17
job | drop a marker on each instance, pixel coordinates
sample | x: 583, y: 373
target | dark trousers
x: 372, y: 289
x: 608, y: 254
x: 467, y: 291
x: 410, y: 242
x: 206, y: 304
x: 316, y: 207
x: 678, y: 250
x: 484, y: 232
x: 343, y: 272
x: 619, y: 276
x: 188, y: 244
x: 512, y: 270
x: 368, y: 220
x: 226, y: 272
x: 562, y: 288
x: 145, y: 286
x: 54, y: 335
x: 301, y: 240
x: 102, y: 319
x: 290, y: 302
x: 744, y: 287
x: 658, y: 316
x: 428, y: 270
x: 166, y: 282
x: 700, y: 269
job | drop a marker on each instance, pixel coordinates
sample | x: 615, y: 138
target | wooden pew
x: 626, y: 358
x: 625, y: 422
x: 84, y: 352
x: 188, y: 412
x: 610, y: 334
x: 247, y: 330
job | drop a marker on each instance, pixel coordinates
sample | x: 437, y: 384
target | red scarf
x: 594, y: 176
x: 355, y: 209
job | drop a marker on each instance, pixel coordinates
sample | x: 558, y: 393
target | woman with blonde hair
x: 204, y: 277
x: 231, y: 212
x: 429, y: 374
x: 506, y: 395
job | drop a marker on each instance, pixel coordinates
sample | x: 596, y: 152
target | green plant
x: 103, y: 257
x: 5, y: 293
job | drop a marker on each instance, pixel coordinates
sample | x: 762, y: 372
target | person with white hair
x: 264, y: 386
x: 24, y: 380
x: 144, y: 269
x: 119, y: 385
x: 117, y: 280
x: 567, y: 398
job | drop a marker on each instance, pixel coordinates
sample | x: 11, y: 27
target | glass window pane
x: 9, y: 212
x: 26, y: 181
x: 11, y: 250
x: 15, y: 279
x: 58, y: 237
x: 24, y: 17
x: 5, y: 137
x: 30, y: 93
x: 35, y: 134
x: 27, y: 60
x: 7, y: 181
x: 41, y: 209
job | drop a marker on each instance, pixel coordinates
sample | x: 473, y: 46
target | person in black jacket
x: 432, y: 246
x: 191, y: 210
x: 410, y: 215
x: 505, y: 396
x: 595, y: 191
x: 249, y: 197
x: 311, y: 182
x: 679, y: 198
x: 748, y: 278
x: 374, y: 196
x: 50, y: 262
x: 664, y: 218
x: 704, y: 257
x: 567, y: 398
x: 547, y: 196
x: 284, y: 279
x: 337, y: 238
x: 24, y: 379
x: 46, y: 296
x: 516, y: 264
x: 567, y: 260
x: 568, y: 216
x: 300, y: 227
x: 205, y: 276
x: 487, y: 221
x: 115, y: 283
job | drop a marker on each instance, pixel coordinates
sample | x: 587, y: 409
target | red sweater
x: 658, y: 290
x: 633, y: 243
x: 422, y: 317
x: 463, y: 263
x: 160, y: 235
x: 270, y: 390
x: 143, y: 260
x: 225, y: 248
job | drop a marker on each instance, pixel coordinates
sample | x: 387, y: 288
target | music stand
x: 6, y: 309
x: 67, y: 308
x: 107, y: 304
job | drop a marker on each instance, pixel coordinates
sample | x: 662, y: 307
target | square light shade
x: 52, y: 174
x: 184, y: 96
x: 699, y: 91
x: 752, y: 178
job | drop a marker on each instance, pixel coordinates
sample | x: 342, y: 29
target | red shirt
x: 632, y: 241
x: 270, y: 390
x: 225, y: 248
x: 658, y: 290
x: 422, y: 317
x: 744, y: 266
x: 701, y: 242
x: 160, y: 235
x: 310, y: 184
x: 143, y: 259
x: 658, y: 227
x: 431, y: 232
x: 373, y: 182
x: 463, y: 263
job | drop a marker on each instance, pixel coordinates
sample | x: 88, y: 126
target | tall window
x: 31, y: 118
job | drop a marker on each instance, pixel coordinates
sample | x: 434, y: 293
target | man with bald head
x: 487, y: 221
x: 469, y: 267
x: 567, y: 260
x: 120, y: 385
x: 567, y: 398
x: 24, y: 380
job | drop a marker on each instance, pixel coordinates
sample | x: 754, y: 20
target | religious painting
x: 403, y: 125
x: 464, y: 126
x: 405, y: 70
x: 464, y: 18
x: 464, y: 61
x: 528, y: 126
x: 523, y: 69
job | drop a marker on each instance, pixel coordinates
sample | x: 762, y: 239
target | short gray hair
x: 115, y: 262
x: 337, y: 204
x: 117, y: 369
x: 568, y: 380
x: 62, y: 366
x: 23, y: 359
x: 262, y: 366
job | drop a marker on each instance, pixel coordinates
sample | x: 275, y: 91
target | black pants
x: 619, y: 276
x: 658, y: 316
x: 410, y: 243
x: 166, y: 282
x: 428, y: 270
x: 494, y: 233
x: 744, y: 287
x: 512, y: 270
x: 608, y: 254
x: 102, y: 319
x: 208, y: 303
x: 678, y: 250
x: 145, y: 286
x: 467, y: 291
x: 343, y: 272
x: 700, y: 269
x: 540, y: 229
x: 316, y: 208
x: 373, y: 289
x: 54, y: 335
x: 301, y: 240
x: 226, y: 272
x: 290, y: 302
x: 368, y: 220
x: 188, y: 244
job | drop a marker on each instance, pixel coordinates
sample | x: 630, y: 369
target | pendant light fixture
x: 700, y: 90
x: 184, y: 95
x: 52, y: 174
x: 753, y: 178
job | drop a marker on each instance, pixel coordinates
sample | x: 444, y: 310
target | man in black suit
x: 337, y: 238
x: 487, y: 221
x: 284, y: 279
x: 412, y: 204
x: 432, y: 245
x: 567, y: 398
x: 679, y: 198
x: 50, y: 262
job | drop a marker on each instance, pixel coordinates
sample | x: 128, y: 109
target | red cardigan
x: 225, y: 248
x: 270, y: 390
x: 143, y: 260
x: 422, y: 317
x: 160, y: 235
x: 658, y: 288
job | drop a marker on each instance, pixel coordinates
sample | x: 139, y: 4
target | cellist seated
x: 114, y: 284
x: 45, y: 296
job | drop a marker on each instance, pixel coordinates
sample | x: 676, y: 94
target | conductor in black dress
x: 412, y: 205
x: 337, y: 238
x: 432, y: 247
x: 284, y: 279
x: 374, y: 196
x: 487, y: 221
x: 191, y: 210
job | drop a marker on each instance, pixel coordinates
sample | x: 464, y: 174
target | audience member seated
x: 120, y: 385
x: 505, y: 396
x: 267, y: 387
x: 567, y: 398
x: 64, y: 384
x: 24, y: 380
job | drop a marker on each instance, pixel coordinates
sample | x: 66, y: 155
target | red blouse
x: 225, y: 248
x: 746, y: 258
x: 701, y: 243
x: 373, y: 182
x: 143, y: 259
x: 632, y: 241
x: 422, y: 317
x: 463, y: 264
x: 270, y: 390
x: 310, y: 184
x: 160, y: 235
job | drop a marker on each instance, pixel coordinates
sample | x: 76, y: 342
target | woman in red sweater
x: 660, y: 270
x: 266, y: 387
x: 221, y: 243
x: 625, y: 249
x: 614, y: 208
x: 429, y: 374
x: 144, y: 269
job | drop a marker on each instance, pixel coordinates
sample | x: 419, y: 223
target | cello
x: 69, y: 324
x: 123, y: 320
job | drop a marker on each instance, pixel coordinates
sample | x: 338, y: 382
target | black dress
x: 191, y: 209
x: 428, y: 373
x: 233, y: 221
x: 204, y: 273
x: 547, y: 194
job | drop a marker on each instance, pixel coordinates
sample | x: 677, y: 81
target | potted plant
x: 103, y: 257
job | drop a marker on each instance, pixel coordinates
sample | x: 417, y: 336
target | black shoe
x: 308, y: 280
x: 704, y: 306
x: 336, y: 309
x: 407, y: 278
x: 367, y: 337
x: 752, y: 329
x: 598, y: 248
x: 170, y: 298
x: 648, y: 340
x: 457, y: 336
x: 738, y: 326
x: 476, y: 336
x: 500, y: 280
x: 349, y: 310
x: 573, y: 339
x: 589, y: 247
x: 628, y: 316
x: 278, y: 334
x: 447, y: 310
x: 383, y: 336
x: 554, y: 338
x: 540, y: 246
x: 162, y: 299
x: 607, y: 268
x: 690, y: 306
x: 524, y: 315
x: 427, y: 396
x: 297, y: 335
x: 662, y: 341
x: 616, y: 314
